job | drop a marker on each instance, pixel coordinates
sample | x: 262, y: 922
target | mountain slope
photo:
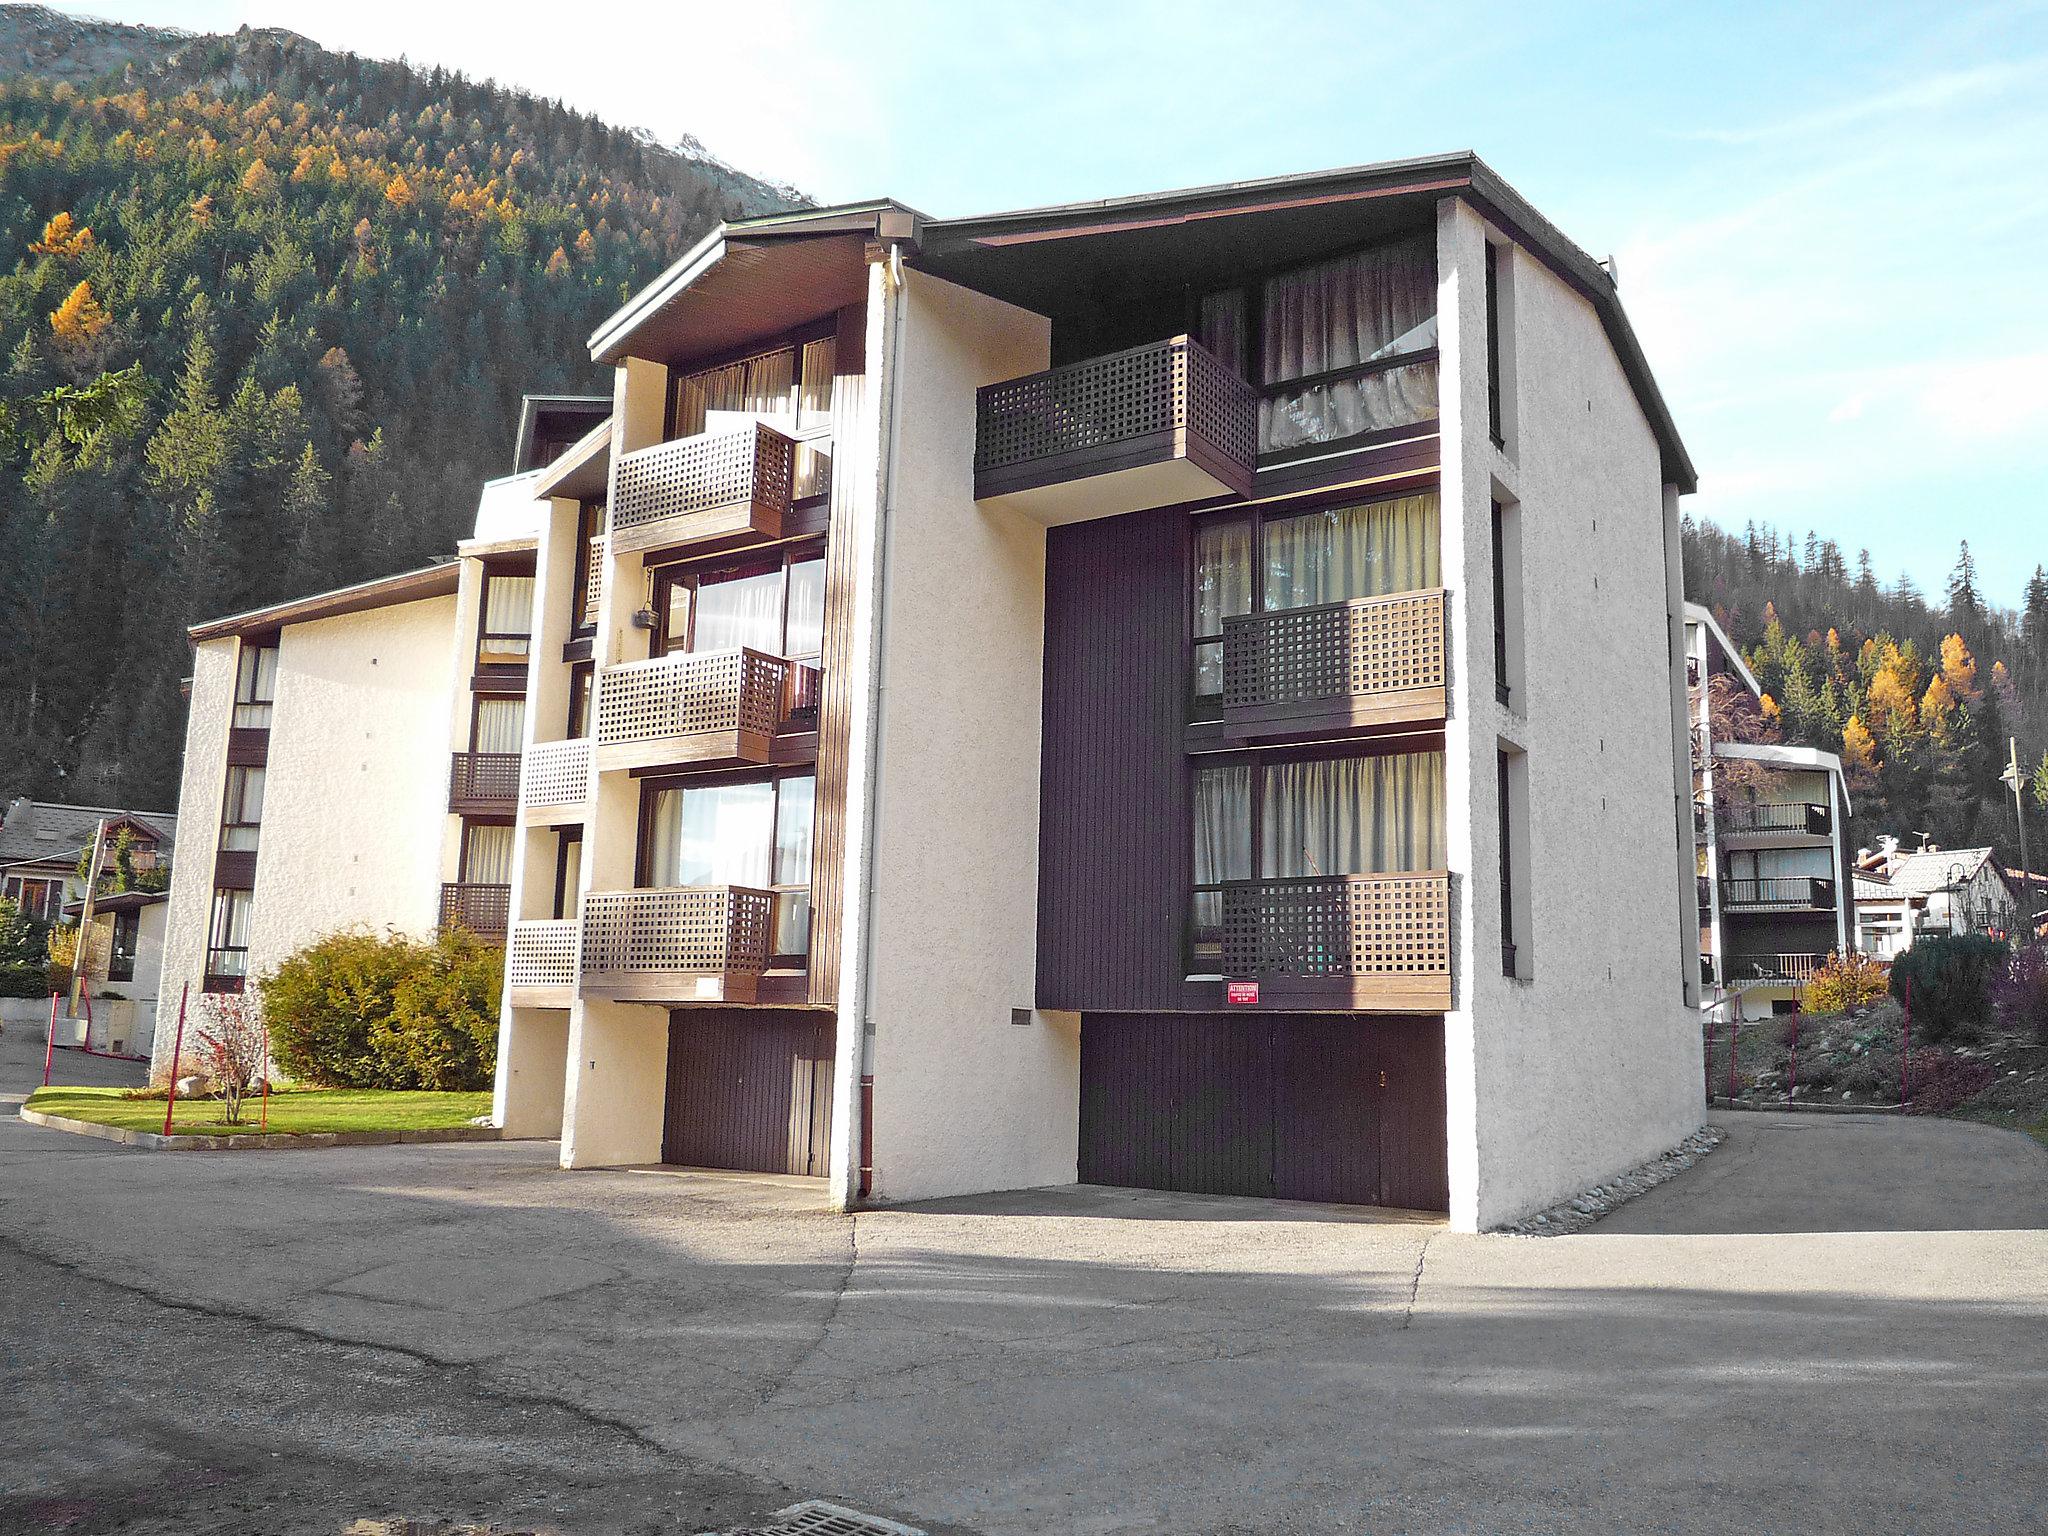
x: 268, y: 314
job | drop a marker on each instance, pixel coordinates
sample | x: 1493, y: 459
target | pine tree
x: 2034, y: 615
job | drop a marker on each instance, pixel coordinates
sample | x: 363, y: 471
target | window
x: 754, y: 833
x: 227, y: 940
x: 1223, y: 851
x: 121, y: 957
x: 773, y: 603
x: 1267, y: 563
x: 580, y: 677
x: 1509, y: 680
x: 1345, y: 347
x: 486, y: 853
x: 1496, y: 343
x: 789, y: 387
x: 505, y: 631
x: 255, y: 686
x: 1512, y: 812
x: 242, y: 814
x: 1507, y: 867
x: 589, y: 529
x: 568, y: 872
x: 497, y: 723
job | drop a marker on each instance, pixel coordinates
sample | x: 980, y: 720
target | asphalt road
x: 1828, y: 1326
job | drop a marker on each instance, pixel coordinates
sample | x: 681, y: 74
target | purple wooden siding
x: 1282, y: 1105
x: 749, y: 1089
x: 1113, y: 828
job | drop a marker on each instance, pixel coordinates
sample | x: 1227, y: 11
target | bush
x: 24, y: 964
x: 1846, y: 981
x: 1945, y: 981
x: 363, y: 1010
x: 2020, y: 994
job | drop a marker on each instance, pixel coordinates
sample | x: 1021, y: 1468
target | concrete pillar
x: 533, y: 1047
x: 618, y: 1066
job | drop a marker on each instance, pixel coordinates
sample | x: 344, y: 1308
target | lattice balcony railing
x: 692, y: 930
x: 1764, y: 970
x: 557, y: 773
x: 593, y: 582
x: 1389, y: 926
x: 1163, y: 387
x: 751, y: 467
x: 1355, y: 649
x: 1812, y: 891
x: 542, y: 954
x: 482, y: 909
x: 483, y: 779
x: 688, y: 694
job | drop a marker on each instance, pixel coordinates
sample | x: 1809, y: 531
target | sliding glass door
x: 751, y: 833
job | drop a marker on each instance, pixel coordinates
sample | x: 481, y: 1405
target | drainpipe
x: 877, y: 649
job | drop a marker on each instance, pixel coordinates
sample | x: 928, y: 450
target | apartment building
x: 352, y: 757
x: 1179, y: 691
x: 1770, y: 821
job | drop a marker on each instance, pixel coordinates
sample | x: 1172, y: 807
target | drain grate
x: 815, y: 1517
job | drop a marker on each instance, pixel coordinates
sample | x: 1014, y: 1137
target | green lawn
x: 299, y: 1111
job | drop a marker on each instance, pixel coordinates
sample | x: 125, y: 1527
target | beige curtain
x: 1223, y: 586
x: 500, y: 725
x: 508, y: 605
x: 490, y: 856
x: 756, y: 386
x: 1354, y: 816
x: 1368, y: 550
x: 718, y: 835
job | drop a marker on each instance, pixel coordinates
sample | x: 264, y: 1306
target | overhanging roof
x: 582, y: 470
x: 1695, y: 613
x: 385, y: 592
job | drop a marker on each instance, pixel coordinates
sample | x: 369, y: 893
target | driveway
x: 468, y: 1331
x: 21, y: 1066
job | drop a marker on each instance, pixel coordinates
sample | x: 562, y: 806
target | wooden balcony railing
x: 1797, y: 892
x: 556, y: 779
x: 482, y: 909
x: 1773, y: 970
x: 677, y: 945
x: 1369, y: 661
x: 714, y: 486
x: 1146, y: 427
x: 714, y: 707
x: 484, y: 783
x: 540, y: 963
x: 1741, y: 820
x: 1354, y: 940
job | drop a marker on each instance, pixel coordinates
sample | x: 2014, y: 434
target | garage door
x: 1301, y: 1107
x: 749, y: 1088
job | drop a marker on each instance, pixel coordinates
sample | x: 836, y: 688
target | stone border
x: 257, y: 1141
x: 1804, y: 1107
x: 1581, y: 1211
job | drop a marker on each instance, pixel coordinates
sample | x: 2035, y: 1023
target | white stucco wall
x: 1592, y: 1064
x: 356, y: 792
x: 964, y: 1100
x: 199, y: 805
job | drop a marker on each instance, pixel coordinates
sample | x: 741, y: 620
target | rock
x: 194, y: 1087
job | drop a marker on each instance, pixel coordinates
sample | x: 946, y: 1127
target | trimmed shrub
x: 1846, y: 981
x: 364, y: 1010
x: 1945, y: 980
x: 2020, y: 995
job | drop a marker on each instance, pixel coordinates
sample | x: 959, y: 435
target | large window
x: 789, y: 387
x: 756, y: 833
x: 242, y: 813
x: 505, y: 631
x: 255, y: 686
x: 227, y: 940
x: 1248, y: 562
x: 773, y: 603
x: 1344, y: 348
x: 1301, y: 818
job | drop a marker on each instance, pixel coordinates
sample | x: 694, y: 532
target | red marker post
x: 50, y: 1040
x: 265, y: 1123
x: 177, y: 1054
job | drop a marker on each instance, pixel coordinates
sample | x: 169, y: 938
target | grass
x: 298, y: 1111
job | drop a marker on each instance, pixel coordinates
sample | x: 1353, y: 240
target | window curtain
x: 1354, y: 816
x: 743, y: 611
x: 717, y: 835
x: 489, y: 856
x: 1223, y: 586
x: 500, y: 725
x: 723, y: 398
x: 1223, y: 842
x: 795, y: 801
x: 1368, y: 550
x: 229, y: 942
x: 1224, y: 328
x: 814, y: 397
x: 508, y: 605
x: 1337, y: 314
x: 806, y: 608
x: 245, y: 805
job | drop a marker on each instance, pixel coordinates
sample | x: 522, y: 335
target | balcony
x: 695, y: 944
x: 713, y: 489
x: 540, y: 963
x: 555, y: 786
x: 716, y: 709
x: 1784, y: 893
x: 1367, y: 662
x: 484, y: 783
x: 1352, y: 941
x: 482, y: 909
x: 1745, y: 971
x: 1149, y: 427
x: 1737, y: 822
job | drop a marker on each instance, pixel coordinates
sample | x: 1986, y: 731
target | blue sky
x: 1831, y: 221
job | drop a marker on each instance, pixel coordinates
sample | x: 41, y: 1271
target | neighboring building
x: 1901, y: 896
x: 1096, y: 693
x: 352, y: 758
x: 1770, y: 824
x: 118, y: 1008
x: 41, y: 844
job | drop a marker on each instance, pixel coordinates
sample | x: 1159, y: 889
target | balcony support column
x: 533, y: 1056
x: 615, y: 1086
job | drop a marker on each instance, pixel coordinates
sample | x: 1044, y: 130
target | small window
x: 486, y: 853
x: 227, y: 938
x: 1509, y: 684
x: 255, y: 686
x: 121, y: 959
x: 242, y: 814
x: 505, y: 633
x: 498, y: 724
x: 1512, y: 809
x: 589, y: 569
x: 1496, y: 343
x: 579, y: 700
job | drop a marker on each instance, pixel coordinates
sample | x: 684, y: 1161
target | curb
x: 1808, y: 1109
x: 153, y: 1141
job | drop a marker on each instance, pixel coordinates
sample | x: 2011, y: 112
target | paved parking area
x: 468, y: 1331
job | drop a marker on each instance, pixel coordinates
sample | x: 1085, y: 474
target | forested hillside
x: 1919, y: 695
x: 266, y: 313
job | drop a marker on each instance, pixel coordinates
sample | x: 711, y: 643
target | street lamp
x: 2019, y: 811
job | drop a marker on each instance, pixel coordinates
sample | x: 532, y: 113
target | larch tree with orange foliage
x: 79, y: 320
x: 61, y: 238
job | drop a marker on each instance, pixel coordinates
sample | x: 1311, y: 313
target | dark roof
x: 385, y: 592
x: 559, y: 419
x: 724, y: 292
x: 41, y: 831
